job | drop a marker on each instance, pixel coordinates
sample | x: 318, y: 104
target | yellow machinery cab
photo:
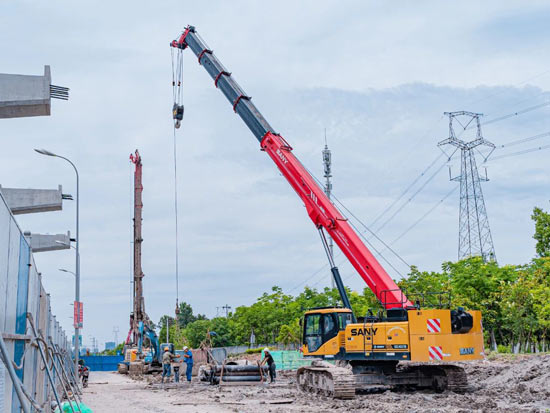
x: 421, y: 335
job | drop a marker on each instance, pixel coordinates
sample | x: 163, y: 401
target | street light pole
x: 77, y: 263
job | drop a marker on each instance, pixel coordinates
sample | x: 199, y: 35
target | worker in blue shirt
x: 188, y: 359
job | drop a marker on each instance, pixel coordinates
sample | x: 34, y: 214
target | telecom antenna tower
x: 328, y: 189
x: 474, y: 238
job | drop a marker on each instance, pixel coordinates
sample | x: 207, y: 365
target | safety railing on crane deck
x: 430, y: 299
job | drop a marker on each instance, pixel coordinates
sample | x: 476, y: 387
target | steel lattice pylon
x: 474, y: 238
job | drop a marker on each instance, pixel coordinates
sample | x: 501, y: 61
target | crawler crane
x: 367, y: 353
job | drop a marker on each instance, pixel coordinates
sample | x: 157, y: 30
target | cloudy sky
x: 377, y: 75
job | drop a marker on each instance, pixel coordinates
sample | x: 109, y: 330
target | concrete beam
x: 24, y: 95
x: 47, y: 242
x: 29, y: 201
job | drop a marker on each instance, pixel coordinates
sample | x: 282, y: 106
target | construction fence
x: 284, y: 359
x: 25, y: 311
x: 289, y: 359
x: 102, y: 363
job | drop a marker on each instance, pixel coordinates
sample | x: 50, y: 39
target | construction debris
x: 501, y: 384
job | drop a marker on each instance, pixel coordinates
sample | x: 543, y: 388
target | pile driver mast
x: 138, y: 313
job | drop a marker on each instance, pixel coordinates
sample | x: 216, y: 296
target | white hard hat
x: 185, y: 348
x: 266, y: 350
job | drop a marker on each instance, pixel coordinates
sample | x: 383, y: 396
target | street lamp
x: 77, y: 264
x: 64, y: 270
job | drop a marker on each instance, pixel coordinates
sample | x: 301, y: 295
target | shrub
x: 254, y: 350
x: 503, y: 349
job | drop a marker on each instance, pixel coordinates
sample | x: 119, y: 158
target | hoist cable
x: 177, y: 80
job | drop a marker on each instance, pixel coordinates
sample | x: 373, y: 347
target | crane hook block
x: 177, y: 112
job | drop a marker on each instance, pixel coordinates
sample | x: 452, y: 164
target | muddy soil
x: 502, y: 384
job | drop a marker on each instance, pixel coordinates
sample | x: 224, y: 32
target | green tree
x: 195, y: 332
x: 542, y: 231
x: 290, y: 333
x: 479, y: 285
x: 222, y: 337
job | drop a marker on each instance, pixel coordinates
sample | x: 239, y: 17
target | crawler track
x: 457, y: 381
x: 330, y: 381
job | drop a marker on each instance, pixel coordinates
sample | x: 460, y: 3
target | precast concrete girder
x: 48, y: 242
x: 23, y: 95
x: 28, y: 201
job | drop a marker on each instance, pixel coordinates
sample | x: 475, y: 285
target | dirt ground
x: 503, y: 384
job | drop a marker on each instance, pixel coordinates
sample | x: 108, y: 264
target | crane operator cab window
x: 343, y: 320
x: 319, y: 328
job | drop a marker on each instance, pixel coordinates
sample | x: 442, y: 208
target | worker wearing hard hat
x: 188, y: 359
x: 167, y: 358
x: 268, y: 358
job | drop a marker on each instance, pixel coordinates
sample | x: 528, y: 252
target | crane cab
x: 324, y: 330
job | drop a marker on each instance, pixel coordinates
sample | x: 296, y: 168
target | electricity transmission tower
x: 328, y: 189
x: 474, y: 238
x: 226, y: 307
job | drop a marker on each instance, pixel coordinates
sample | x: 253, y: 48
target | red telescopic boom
x: 319, y: 207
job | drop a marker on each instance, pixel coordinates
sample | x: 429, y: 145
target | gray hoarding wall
x: 21, y: 294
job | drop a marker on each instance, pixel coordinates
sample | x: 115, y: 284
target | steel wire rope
x: 360, y: 234
x: 427, y: 213
x: 177, y: 84
x: 371, y: 232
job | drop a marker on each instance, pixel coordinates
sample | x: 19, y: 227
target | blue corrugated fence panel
x: 102, y: 363
x: 21, y: 312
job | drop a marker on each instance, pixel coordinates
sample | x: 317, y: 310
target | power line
x: 406, y: 190
x: 425, y: 215
x: 309, y: 278
x: 539, y: 148
x: 366, y: 228
x: 530, y: 138
x: 369, y: 230
x: 387, y: 209
x: 412, y: 197
x: 511, y: 115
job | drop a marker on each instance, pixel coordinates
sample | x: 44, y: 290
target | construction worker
x: 167, y: 358
x: 188, y: 359
x: 268, y: 358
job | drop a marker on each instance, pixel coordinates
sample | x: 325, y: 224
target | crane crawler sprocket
x: 326, y: 379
